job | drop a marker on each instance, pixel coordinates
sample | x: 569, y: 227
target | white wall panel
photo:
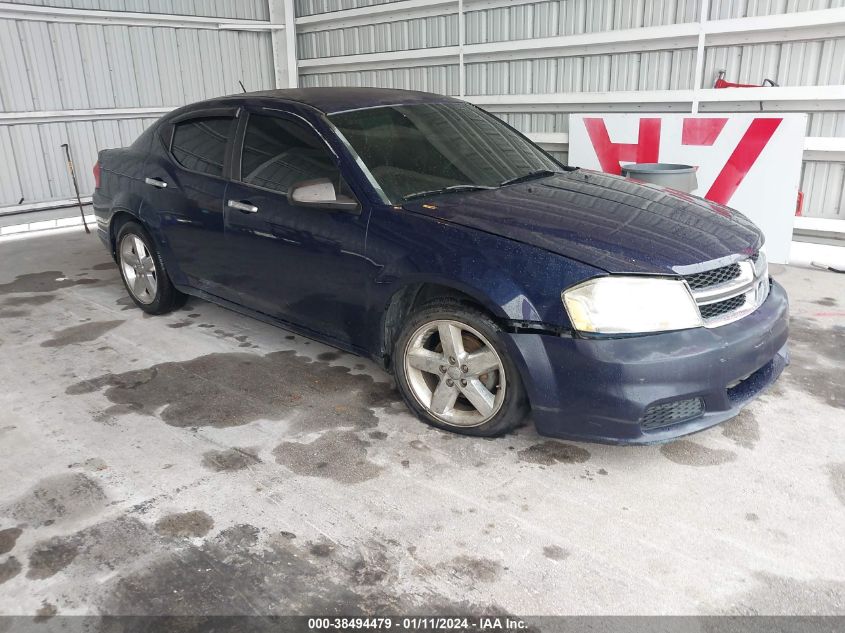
x: 570, y: 17
x: 57, y: 66
x: 660, y: 70
x: 722, y: 9
x: 312, y: 7
x: 819, y: 63
x: 35, y: 167
x: 823, y: 185
x: 440, y: 79
x: 379, y: 38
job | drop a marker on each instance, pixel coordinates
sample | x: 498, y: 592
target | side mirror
x: 320, y: 193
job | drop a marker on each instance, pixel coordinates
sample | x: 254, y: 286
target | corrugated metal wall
x: 72, y: 67
x: 51, y: 66
x: 795, y: 63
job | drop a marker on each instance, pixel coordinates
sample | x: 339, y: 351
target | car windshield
x: 417, y: 150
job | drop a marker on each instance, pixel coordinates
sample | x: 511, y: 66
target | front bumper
x: 599, y: 389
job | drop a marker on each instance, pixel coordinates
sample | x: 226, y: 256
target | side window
x: 278, y: 153
x: 200, y: 144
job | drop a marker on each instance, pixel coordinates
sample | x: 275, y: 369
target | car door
x: 304, y: 265
x: 185, y: 182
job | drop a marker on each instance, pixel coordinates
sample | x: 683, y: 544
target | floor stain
x: 104, y: 266
x: 9, y: 569
x: 836, y: 472
x: 337, y: 455
x: 551, y: 452
x: 328, y: 356
x: 80, y: 333
x: 8, y: 538
x: 828, y: 302
x: 47, y: 281
x: 322, y: 549
x: 36, y: 300
x: 692, y: 454
x: 555, y: 552
x: 65, y: 496
x: 743, y: 429
x: 126, y: 303
x: 50, y: 557
x: 232, y: 389
x: 279, y: 575
x: 377, y: 435
x: 472, y: 568
x: 45, y: 612
x: 6, y: 313
x: 771, y: 594
x: 229, y: 460
x: 185, y: 524
x: 179, y: 324
x: 818, y: 355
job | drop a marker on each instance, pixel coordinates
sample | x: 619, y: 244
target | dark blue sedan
x: 422, y: 232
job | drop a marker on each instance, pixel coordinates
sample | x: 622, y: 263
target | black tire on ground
x: 514, y: 405
x: 166, y: 298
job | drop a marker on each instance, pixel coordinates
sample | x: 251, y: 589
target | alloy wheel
x: 455, y: 373
x: 136, y: 262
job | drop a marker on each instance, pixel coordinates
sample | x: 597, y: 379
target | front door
x: 304, y: 265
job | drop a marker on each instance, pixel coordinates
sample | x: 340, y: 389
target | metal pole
x: 75, y: 185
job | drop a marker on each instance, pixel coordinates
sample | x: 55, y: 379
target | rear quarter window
x: 200, y: 144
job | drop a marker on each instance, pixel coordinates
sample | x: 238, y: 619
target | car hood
x: 606, y: 221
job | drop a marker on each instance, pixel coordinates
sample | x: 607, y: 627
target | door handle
x: 155, y: 182
x: 245, y: 207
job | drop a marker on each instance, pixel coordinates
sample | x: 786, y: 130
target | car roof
x: 334, y: 100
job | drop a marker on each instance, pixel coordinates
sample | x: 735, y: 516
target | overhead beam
x: 28, y: 12
x: 66, y: 116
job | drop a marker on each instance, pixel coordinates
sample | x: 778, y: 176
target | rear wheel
x: 143, y: 273
x: 455, y: 373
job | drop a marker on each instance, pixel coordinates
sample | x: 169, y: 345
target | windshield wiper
x: 450, y: 189
x: 540, y: 173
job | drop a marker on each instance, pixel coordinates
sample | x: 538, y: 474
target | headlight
x: 761, y: 266
x: 631, y: 305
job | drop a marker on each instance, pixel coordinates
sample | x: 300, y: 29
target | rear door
x: 185, y: 180
x: 299, y: 264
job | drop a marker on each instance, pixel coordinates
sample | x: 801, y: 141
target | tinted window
x: 200, y: 144
x: 423, y: 147
x: 278, y: 153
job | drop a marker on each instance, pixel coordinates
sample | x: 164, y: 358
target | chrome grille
x: 728, y: 293
x: 719, y: 308
x: 660, y: 415
x: 713, y: 277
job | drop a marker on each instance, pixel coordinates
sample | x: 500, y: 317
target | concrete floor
x: 203, y: 462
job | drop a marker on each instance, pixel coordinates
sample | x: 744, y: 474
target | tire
x: 463, y: 398
x: 143, y: 273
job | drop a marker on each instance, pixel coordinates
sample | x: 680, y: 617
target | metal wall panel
x: 312, y: 7
x: 379, y: 38
x: 819, y: 63
x: 52, y: 66
x: 722, y: 9
x: 660, y: 70
x: 440, y: 79
x: 35, y: 168
x: 240, y: 9
x: 569, y: 17
x: 823, y: 185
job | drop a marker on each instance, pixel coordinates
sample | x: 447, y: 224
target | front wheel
x: 454, y: 371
